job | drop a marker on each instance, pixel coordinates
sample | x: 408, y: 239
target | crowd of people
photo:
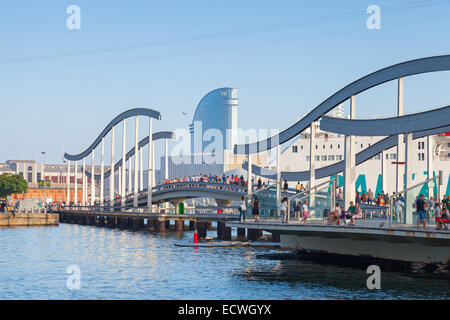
x: 341, y: 217
x: 233, y: 179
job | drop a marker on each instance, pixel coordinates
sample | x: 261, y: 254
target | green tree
x: 12, y: 184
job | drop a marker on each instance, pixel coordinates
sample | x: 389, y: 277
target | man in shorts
x: 421, y: 213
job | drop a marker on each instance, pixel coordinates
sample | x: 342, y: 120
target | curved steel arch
x: 404, y: 69
x: 124, y: 115
x: 361, y: 157
x: 388, y: 126
x: 156, y: 136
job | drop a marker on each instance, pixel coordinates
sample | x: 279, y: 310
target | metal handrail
x: 315, y: 188
x: 259, y: 190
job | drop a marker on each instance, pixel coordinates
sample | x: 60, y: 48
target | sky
x: 61, y: 87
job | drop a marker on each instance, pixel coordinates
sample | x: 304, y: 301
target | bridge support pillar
x: 167, y: 224
x: 97, y: 221
x: 201, y: 228
x: 275, y: 237
x: 241, y: 233
x: 349, y: 163
x: 82, y: 220
x: 90, y: 220
x: 409, y: 165
x: 151, y: 225
x: 254, y: 234
x: 123, y: 223
x: 137, y: 223
x: 112, y: 222
x: 192, y: 225
x: 161, y: 225
x: 226, y: 233
x: 179, y: 225
x: 220, y: 226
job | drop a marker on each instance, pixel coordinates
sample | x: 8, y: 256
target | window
x: 339, y: 157
x: 331, y: 158
x: 316, y: 146
x: 362, y: 146
x: 301, y: 147
x: 324, y: 158
x: 317, y: 158
x: 324, y: 146
x: 294, y: 149
x: 30, y: 168
x: 393, y: 156
x: 38, y: 176
x: 30, y: 177
x: 421, y: 145
x: 421, y: 156
x: 331, y: 146
x: 339, y: 146
x: 387, y: 156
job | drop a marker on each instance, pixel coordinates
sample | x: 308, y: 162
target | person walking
x: 297, y: 209
x: 242, y: 209
x: 255, y: 208
x: 284, y: 209
x: 305, y: 212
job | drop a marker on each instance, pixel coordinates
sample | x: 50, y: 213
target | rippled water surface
x: 121, y: 264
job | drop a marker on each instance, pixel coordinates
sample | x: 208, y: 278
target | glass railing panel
x: 319, y: 200
x: 402, y: 206
x: 267, y: 197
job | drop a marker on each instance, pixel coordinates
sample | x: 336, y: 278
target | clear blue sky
x: 61, y: 87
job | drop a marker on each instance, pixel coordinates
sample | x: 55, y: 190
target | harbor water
x: 124, y: 264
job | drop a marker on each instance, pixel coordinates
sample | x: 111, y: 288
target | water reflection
x: 121, y: 264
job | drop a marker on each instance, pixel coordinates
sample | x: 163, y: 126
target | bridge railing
x: 206, y: 210
x: 321, y: 199
x: 267, y: 197
x: 185, y: 185
x: 199, y: 185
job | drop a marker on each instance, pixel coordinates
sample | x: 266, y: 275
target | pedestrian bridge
x: 180, y: 191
